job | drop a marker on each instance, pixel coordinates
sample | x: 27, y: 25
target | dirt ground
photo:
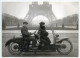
x: 73, y: 37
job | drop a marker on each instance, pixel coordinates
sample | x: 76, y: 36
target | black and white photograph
x: 40, y: 29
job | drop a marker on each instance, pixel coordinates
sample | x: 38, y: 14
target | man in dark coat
x: 26, y: 35
x: 44, y: 34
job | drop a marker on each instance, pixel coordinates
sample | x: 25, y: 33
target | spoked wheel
x: 14, y: 48
x: 65, y: 47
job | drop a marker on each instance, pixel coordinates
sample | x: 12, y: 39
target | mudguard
x: 16, y: 40
x: 62, y: 40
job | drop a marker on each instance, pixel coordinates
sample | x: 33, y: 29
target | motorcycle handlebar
x: 34, y: 32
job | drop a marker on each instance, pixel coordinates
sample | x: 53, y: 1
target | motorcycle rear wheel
x: 66, y: 47
x: 13, y: 48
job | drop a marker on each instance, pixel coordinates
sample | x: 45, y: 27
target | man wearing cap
x: 26, y: 35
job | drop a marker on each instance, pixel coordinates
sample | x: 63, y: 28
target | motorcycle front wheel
x: 13, y: 48
x: 65, y: 47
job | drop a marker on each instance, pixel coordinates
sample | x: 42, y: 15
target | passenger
x: 44, y: 34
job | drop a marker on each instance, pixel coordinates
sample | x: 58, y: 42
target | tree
x: 63, y: 25
x: 77, y: 25
x: 18, y: 25
x: 56, y: 24
x: 3, y: 24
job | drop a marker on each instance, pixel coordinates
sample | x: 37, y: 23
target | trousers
x: 27, y: 41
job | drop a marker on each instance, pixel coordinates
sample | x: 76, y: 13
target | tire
x: 66, y: 49
x: 13, y: 48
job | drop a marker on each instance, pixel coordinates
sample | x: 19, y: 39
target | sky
x: 60, y: 9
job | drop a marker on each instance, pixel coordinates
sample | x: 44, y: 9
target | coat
x: 24, y: 31
x: 44, y: 35
x: 43, y: 31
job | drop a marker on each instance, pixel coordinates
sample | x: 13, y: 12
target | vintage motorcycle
x: 63, y: 46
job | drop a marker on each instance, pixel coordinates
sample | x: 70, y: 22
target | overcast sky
x: 60, y: 9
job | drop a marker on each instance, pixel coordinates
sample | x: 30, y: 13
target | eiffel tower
x: 35, y: 9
